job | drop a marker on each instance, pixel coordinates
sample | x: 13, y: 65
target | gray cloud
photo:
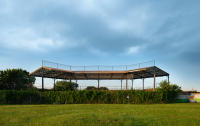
x: 163, y: 30
x: 94, y: 23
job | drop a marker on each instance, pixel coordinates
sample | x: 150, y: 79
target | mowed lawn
x: 100, y: 114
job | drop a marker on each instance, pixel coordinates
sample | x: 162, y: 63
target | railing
x: 98, y: 67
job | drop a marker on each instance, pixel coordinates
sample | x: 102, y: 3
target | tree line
x: 15, y: 85
x: 19, y: 79
x: 15, y: 79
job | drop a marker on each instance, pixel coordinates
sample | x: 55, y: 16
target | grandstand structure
x: 100, y: 72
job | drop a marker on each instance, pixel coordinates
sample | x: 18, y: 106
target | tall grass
x: 101, y: 115
x: 80, y: 97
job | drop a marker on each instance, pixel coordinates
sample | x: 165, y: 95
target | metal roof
x: 146, y: 72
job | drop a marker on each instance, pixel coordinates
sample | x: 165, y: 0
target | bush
x: 64, y: 86
x: 15, y: 79
x: 169, y: 91
x: 91, y: 88
x: 20, y: 97
x: 94, y: 88
x: 165, y: 93
x: 103, y: 88
x: 80, y: 97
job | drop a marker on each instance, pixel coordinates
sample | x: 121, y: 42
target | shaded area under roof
x: 147, y: 72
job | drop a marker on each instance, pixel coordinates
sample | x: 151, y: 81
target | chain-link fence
x: 98, y: 67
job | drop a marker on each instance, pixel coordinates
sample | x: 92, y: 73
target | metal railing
x: 46, y: 63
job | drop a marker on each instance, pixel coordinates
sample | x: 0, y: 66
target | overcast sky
x: 108, y: 32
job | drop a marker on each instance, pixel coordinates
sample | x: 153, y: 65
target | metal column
x: 121, y: 84
x: 143, y: 83
x: 132, y: 81
x: 132, y: 84
x: 126, y: 84
x: 154, y: 81
x: 42, y: 83
x: 54, y: 84
x: 98, y: 77
x: 126, y: 81
x: 42, y: 76
x: 168, y: 78
x: 98, y: 83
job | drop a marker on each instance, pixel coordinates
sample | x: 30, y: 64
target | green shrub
x: 16, y: 79
x: 80, y: 97
x: 169, y: 91
x: 91, y: 88
x: 65, y: 86
x: 94, y: 88
x: 20, y: 97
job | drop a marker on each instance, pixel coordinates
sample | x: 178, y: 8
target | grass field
x: 100, y: 114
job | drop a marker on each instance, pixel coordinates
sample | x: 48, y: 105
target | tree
x: 15, y: 79
x: 64, y: 85
x: 91, y: 88
x: 170, y: 91
x: 103, y: 88
x: 94, y: 88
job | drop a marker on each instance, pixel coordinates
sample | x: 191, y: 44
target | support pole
x: 54, y: 84
x: 132, y: 80
x: 98, y: 77
x: 154, y: 82
x: 98, y: 83
x: 126, y: 84
x: 121, y: 84
x: 42, y: 83
x: 168, y: 78
x: 143, y: 83
x: 42, y: 76
x: 77, y: 82
x: 132, y: 84
x: 70, y: 79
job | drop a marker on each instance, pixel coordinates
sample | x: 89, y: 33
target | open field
x: 100, y: 114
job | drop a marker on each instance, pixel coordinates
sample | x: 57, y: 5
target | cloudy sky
x: 108, y: 32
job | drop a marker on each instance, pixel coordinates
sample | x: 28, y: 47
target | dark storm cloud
x: 107, y: 30
x: 87, y: 28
